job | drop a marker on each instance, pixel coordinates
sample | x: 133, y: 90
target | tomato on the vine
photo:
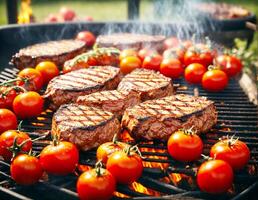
x: 126, y: 167
x: 152, y: 62
x: 96, y: 183
x: 7, y: 95
x: 17, y: 141
x: 8, y: 120
x: 28, y: 104
x: 185, y: 146
x: 230, y: 64
x: 171, y: 67
x: 234, y: 152
x: 106, y: 149
x: 215, y: 176
x: 31, y: 79
x: 25, y: 169
x: 214, y: 80
x: 194, y: 73
x: 87, y: 37
x: 48, y: 70
x: 59, y: 158
x: 129, y: 63
x: 127, y: 53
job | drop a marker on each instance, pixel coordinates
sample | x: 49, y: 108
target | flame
x: 141, y: 189
x: 175, y: 178
x: 25, y: 15
x: 118, y: 194
x: 125, y: 136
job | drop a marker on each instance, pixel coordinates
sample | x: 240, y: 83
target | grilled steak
x: 113, y: 101
x: 130, y: 40
x: 148, y: 83
x: 55, y: 51
x: 158, y: 119
x: 66, y: 88
x: 86, y: 127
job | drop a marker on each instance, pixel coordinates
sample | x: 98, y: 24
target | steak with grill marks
x: 148, y: 83
x: 66, y: 88
x: 86, y: 127
x: 55, y: 51
x: 113, y: 100
x: 158, y: 119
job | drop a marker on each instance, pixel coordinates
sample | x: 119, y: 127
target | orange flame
x: 118, y: 194
x: 141, y: 189
x: 25, y: 15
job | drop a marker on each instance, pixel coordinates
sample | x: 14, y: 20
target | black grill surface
x: 236, y: 116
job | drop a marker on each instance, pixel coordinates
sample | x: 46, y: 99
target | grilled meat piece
x: 150, y: 84
x: 66, y: 88
x: 95, y: 57
x: 55, y: 51
x: 158, y: 119
x: 86, y: 127
x: 113, y: 100
x: 130, y: 40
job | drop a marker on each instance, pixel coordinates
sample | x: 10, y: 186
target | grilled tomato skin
x: 194, y: 73
x: 59, y: 159
x: 48, y: 70
x: 214, y: 80
x: 126, y: 168
x: 8, y: 120
x: 26, y: 169
x: 127, y: 53
x: 128, y: 64
x: 7, y: 140
x: 234, y: 152
x: 87, y: 37
x: 171, y: 67
x: 152, y: 62
x: 7, y: 95
x: 185, y: 147
x: 93, y: 185
x: 215, y: 176
x: 230, y: 64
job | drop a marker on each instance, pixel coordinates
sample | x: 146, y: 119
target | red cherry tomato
x: 152, y: 62
x: 7, y: 140
x: 234, y: 152
x: 7, y: 120
x: 7, y: 95
x: 127, y: 53
x: 34, y: 79
x: 87, y: 37
x: 59, y: 159
x: 194, y: 73
x: 229, y: 64
x: 177, y: 52
x: 25, y: 169
x: 171, y: 67
x: 185, y: 147
x: 67, y: 14
x: 144, y: 53
x: 48, y: 70
x: 215, y: 176
x: 130, y: 63
x: 95, y: 184
x: 125, y: 168
x: 214, y: 80
x: 28, y: 104
x: 171, y: 42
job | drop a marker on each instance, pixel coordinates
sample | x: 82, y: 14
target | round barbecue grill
x: 163, y: 177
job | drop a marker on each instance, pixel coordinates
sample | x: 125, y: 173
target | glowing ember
x: 118, y: 194
x: 125, y: 137
x: 141, y: 189
x: 25, y: 15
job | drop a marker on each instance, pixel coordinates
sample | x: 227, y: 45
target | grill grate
x: 237, y: 116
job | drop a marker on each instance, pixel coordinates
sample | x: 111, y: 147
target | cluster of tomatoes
x: 185, y: 59
x: 215, y: 175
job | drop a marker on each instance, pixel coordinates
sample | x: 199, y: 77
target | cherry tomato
x: 28, y: 104
x: 199, y: 55
x: 142, y: 53
x: 105, y: 150
x: 67, y: 14
x: 130, y: 63
x: 7, y: 95
x: 215, y: 176
x: 177, y: 52
x: 152, y: 62
x: 194, y: 73
x: 26, y: 169
x: 87, y: 37
x: 7, y: 120
x: 95, y: 184
x: 184, y: 146
x: 214, y: 80
x: 7, y: 140
x: 234, y: 152
x: 127, y: 53
x: 171, y: 67
x: 48, y: 70
x: 171, y: 42
x: 229, y: 64
x: 59, y: 159
x: 125, y: 168
x: 34, y: 79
